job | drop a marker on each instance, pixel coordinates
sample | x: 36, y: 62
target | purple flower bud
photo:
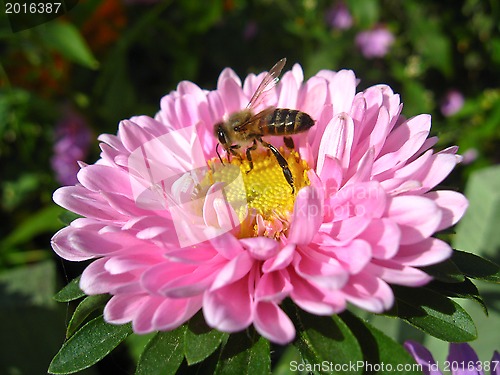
x: 72, y: 141
x: 375, y: 43
x: 339, y: 17
x: 452, y: 102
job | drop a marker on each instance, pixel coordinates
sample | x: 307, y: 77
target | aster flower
x: 461, y: 360
x: 375, y: 43
x: 173, y: 229
x: 73, y: 138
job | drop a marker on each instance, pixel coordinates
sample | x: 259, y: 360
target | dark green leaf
x: 379, y: 348
x: 163, y: 353
x: 445, y: 271
x: 89, y: 345
x: 67, y: 217
x: 476, y: 267
x: 245, y: 353
x: 320, y: 336
x: 84, y: 309
x: 70, y: 292
x: 66, y: 39
x: 434, y: 314
x: 465, y: 289
x: 200, y: 340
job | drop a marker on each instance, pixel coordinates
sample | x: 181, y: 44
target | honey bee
x: 245, y: 128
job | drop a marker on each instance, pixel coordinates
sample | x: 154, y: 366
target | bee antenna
x: 217, y: 151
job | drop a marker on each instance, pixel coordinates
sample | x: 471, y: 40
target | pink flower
x: 452, y: 103
x: 73, y: 138
x: 339, y: 17
x: 173, y: 231
x: 375, y: 43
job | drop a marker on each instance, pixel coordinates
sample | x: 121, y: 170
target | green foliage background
x: 113, y: 65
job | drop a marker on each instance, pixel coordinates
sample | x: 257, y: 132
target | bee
x: 246, y: 128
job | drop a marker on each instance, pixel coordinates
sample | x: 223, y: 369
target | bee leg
x: 282, y: 162
x: 289, y: 142
x: 232, y: 151
x: 249, y: 155
x: 217, y: 151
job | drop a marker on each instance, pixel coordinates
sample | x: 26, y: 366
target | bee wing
x: 269, y: 81
x: 255, y: 118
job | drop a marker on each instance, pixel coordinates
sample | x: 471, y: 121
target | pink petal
x: 61, y: 243
x: 232, y: 95
x: 85, y: 203
x: 315, y: 300
x: 307, y: 215
x: 230, y: 308
x: 273, y: 286
x: 96, y: 280
x: 418, y: 217
x: 452, y: 205
x: 353, y: 257
x: 342, y: 88
x: 395, y: 273
x: 122, y: 309
x: 331, y: 175
x: 282, y: 259
x: 369, y: 292
x: 260, y: 248
x: 234, y: 270
x: 321, y: 269
x: 178, y: 280
x: 384, y: 236
x: 424, y: 253
x: 174, y: 312
x: 336, y: 141
x: 143, y: 320
x: 288, y: 91
x: 227, y: 245
x: 272, y: 323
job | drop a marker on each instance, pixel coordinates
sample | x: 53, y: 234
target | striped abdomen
x: 283, y: 121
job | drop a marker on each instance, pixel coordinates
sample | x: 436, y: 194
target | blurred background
x: 66, y: 81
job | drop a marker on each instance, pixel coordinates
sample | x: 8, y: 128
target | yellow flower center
x: 262, y: 190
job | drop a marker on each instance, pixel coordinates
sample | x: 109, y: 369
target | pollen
x: 262, y: 193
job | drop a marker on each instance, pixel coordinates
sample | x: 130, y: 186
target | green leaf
x: 84, y: 309
x: 446, y: 271
x: 320, y: 336
x: 478, y: 229
x: 163, y: 353
x: 245, y: 353
x: 465, y: 289
x: 476, y: 267
x: 67, y: 217
x: 42, y: 221
x: 434, y: 314
x: 200, y: 340
x: 89, y: 345
x: 379, y: 348
x: 66, y: 39
x: 70, y: 292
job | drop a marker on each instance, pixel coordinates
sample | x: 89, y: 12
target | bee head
x: 220, y: 134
